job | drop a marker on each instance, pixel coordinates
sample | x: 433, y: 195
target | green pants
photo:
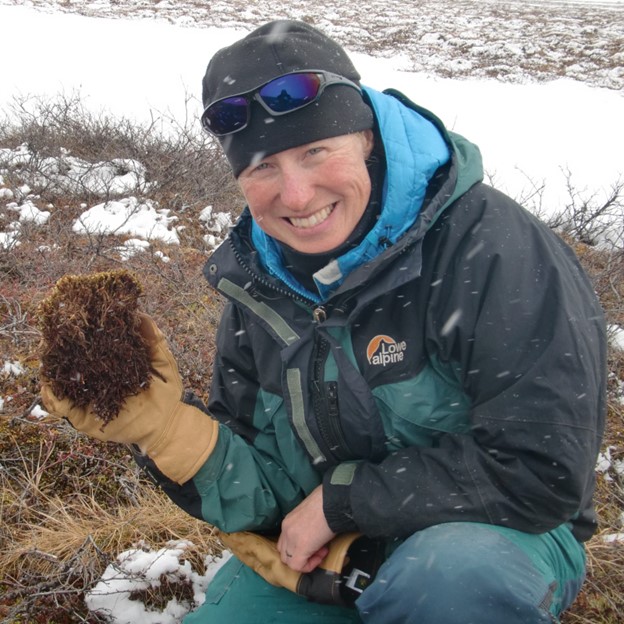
x: 237, y: 595
x: 455, y: 573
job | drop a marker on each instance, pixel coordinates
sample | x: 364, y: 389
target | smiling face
x: 311, y: 197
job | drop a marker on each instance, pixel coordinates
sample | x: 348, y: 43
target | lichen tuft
x: 91, y: 350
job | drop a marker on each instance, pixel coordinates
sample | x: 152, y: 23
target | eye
x: 315, y: 150
x: 259, y: 168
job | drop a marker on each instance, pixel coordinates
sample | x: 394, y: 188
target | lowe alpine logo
x: 383, y: 350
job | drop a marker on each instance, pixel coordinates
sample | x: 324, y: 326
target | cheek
x: 356, y: 181
x: 256, y: 199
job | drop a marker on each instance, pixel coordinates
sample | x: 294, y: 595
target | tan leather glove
x: 177, y: 437
x: 336, y: 581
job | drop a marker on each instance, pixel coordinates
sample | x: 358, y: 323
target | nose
x: 296, y: 189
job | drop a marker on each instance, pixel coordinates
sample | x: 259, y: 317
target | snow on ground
x: 130, y: 215
x: 141, y: 569
x: 509, y: 40
x: 538, y: 85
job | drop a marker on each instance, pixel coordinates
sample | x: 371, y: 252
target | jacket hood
x: 465, y: 155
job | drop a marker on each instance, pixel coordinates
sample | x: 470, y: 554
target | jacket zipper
x: 325, y: 405
x: 325, y: 395
x: 333, y: 412
x: 292, y: 294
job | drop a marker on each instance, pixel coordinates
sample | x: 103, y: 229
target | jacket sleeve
x: 257, y: 471
x: 510, y: 305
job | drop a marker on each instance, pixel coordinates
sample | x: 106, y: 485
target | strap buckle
x: 358, y: 580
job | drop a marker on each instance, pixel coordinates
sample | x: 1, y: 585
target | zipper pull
x: 319, y: 314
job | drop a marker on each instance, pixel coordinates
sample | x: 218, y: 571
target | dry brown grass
x: 70, y: 505
x: 60, y: 533
x: 61, y: 527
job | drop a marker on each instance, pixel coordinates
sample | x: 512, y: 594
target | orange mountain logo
x: 383, y: 350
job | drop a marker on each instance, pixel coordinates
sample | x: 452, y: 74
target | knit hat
x: 278, y: 48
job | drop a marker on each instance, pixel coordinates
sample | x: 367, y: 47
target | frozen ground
x: 511, y: 41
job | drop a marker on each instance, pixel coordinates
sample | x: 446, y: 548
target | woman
x: 406, y: 355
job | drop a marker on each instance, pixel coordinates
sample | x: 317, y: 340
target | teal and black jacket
x: 453, y: 371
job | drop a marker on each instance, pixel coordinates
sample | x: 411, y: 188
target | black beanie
x: 270, y: 51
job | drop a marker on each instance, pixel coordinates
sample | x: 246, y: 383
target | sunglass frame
x: 326, y: 79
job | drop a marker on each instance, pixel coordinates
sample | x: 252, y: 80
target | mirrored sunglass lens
x: 290, y: 92
x: 227, y: 115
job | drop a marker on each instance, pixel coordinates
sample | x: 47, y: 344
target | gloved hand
x: 178, y: 437
x: 348, y: 568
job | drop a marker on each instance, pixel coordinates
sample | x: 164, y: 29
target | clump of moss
x: 92, y: 351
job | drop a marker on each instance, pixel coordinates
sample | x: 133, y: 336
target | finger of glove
x: 149, y: 330
x: 82, y: 418
x: 54, y: 405
x: 163, y: 361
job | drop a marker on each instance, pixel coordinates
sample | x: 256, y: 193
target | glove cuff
x: 185, y: 444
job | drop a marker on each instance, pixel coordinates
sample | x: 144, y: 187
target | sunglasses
x: 280, y: 96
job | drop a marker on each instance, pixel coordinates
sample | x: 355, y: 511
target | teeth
x: 312, y: 220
